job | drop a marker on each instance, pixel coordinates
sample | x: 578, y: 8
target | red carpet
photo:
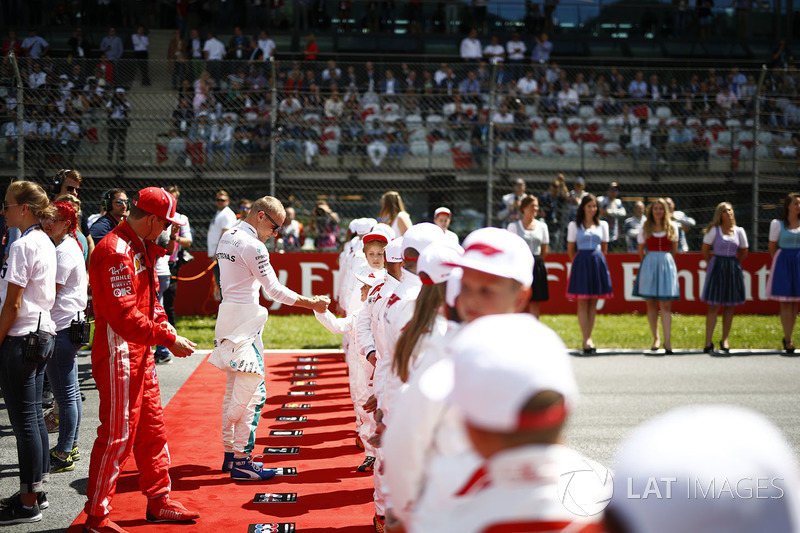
x: 332, y: 494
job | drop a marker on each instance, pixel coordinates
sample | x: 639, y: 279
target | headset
x: 58, y: 181
x: 108, y: 198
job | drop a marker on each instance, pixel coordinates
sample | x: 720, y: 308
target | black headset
x: 108, y: 197
x: 58, y: 181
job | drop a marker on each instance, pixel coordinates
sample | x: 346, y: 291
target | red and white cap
x: 500, y: 362
x: 370, y: 276
x: 420, y: 236
x: 498, y: 252
x: 730, y: 470
x: 435, y: 262
x: 379, y: 232
x: 441, y: 211
x: 157, y: 201
x: 393, y: 253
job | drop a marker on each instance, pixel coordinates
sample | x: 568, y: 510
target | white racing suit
x: 244, y: 268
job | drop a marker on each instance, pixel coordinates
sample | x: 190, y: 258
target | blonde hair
x: 717, y: 220
x: 32, y: 195
x: 268, y: 204
x: 430, y: 299
x: 649, y: 222
x: 391, y: 206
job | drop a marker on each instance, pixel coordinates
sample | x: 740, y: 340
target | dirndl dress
x: 657, y: 278
x: 589, y: 277
x: 783, y: 284
x: 724, y: 277
x: 535, y: 238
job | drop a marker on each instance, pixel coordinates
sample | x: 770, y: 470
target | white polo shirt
x: 224, y: 219
x: 215, y: 49
x: 31, y: 264
x: 71, y: 275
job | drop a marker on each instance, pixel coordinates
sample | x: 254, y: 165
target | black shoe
x: 667, y: 351
x: 41, y: 500
x: 16, y: 513
x: 163, y: 359
x: 57, y: 464
x: 709, y: 348
x: 788, y: 346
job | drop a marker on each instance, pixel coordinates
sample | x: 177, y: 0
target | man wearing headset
x: 116, y: 205
x: 68, y: 181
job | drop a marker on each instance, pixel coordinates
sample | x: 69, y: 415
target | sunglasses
x: 6, y: 205
x: 73, y: 190
x: 221, y: 200
x: 121, y: 202
x: 275, y: 225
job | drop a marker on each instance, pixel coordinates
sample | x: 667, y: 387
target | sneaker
x: 41, y: 500
x: 57, y: 464
x: 101, y: 525
x: 246, y: 470
x: 163, y: 359
x: 368, y: 465
x: 16, y: 513
x: 378, y: 522
x: 51, y: 421
x: 227, y: 462
x: 75, y: 454
x: 165, y: 510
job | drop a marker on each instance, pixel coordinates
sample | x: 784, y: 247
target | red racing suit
x: 128, y: 321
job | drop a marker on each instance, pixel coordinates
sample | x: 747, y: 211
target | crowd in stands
x: 385, y: 113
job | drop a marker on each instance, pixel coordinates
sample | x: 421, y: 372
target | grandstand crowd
x: 498, y: 97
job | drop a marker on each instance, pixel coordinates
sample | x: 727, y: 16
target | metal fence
x: 442, y: 134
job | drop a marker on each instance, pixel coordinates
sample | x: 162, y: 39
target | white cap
x: 441, y: 211
x: 119, y: 90
x: 755, y: 476
x: 379, y: 232
x: 500, y: 362
x: 419, y: 236
x: 394, y: 251
x: 370, y: 276
x: 453, y: 288
x: 498, y: 252
x: 435, y: 261
x: 361, y: 226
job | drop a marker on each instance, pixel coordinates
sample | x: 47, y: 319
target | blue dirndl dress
x: 589, y: 277
x: 657, y: 278
x: 724, y: 276
x: 784, y: 276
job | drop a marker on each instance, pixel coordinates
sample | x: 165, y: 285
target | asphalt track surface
x: 619, y: 390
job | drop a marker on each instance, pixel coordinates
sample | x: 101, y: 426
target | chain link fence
x: 454, y: 134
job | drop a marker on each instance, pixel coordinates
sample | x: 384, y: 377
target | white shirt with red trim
x: 517, y: 490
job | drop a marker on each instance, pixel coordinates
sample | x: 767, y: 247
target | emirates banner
x: 316, y: 273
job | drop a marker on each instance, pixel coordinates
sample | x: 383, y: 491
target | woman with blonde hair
x: 657, y: 280
x: 27, y: 333
x: 724, y: 286
x: 393, y: 213
x: 783, y: 283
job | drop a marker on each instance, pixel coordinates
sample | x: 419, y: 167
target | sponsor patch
x: 138, y: 264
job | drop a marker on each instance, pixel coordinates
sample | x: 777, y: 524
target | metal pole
x: 756, y: 124
x: 490, y: 147
x: 20, y: 118
x: 273, y: 145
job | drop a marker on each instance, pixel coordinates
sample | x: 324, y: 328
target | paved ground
x: 618, y: 391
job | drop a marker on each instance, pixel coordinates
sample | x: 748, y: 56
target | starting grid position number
x: 291, y: 419
x: 275, y: 497
x: 284, y: 527
x: 284, y: 450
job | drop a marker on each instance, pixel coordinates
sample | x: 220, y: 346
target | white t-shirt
x: 516, y: 49
x: 71, y: 275
x: 224, y: 219
x: 244, y: 265
x: 496, y: 52
x: 471, y: 49
x: 527, y: 86
x: 31, y: 264
x: 267, y: 47
x: 739, y: 236
x: 215, y: 49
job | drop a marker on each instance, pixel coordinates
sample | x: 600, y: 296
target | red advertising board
x: 315, y: 273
